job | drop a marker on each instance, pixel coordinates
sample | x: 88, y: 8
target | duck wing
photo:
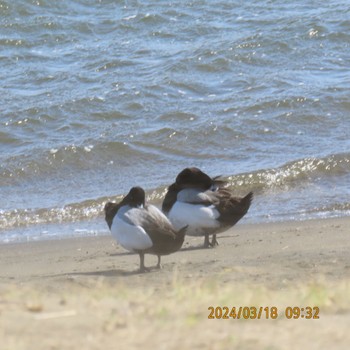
x: 194, y: 196
x: 155, y: 221
x: 232, y: 208
x: 163, y: 235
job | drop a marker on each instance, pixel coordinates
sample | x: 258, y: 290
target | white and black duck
x: 142, y: 228
x: 203, y: 204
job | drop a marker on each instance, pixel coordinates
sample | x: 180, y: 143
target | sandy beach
x: 87, y: 292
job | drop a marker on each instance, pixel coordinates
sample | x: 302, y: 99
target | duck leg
x: 206, y: 240
x: 214, y: 242
x: 211, y: 244
x: 142, y: 262
x: 159, y: 266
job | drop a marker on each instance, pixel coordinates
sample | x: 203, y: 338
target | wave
x: 56, y: 161
x: 293, y: 174
x: 263, y: 182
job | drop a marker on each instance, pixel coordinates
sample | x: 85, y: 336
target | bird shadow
x: 114, y: 272
x: 122, y: 254
x: 126, y: 273
x: 107, y: 273
x: 183, y: 249
x: 190, y: 248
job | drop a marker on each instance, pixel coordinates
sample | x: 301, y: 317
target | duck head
x: 135, y: 198
x: 193, y: 177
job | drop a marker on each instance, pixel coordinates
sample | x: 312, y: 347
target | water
x: 99, y: 96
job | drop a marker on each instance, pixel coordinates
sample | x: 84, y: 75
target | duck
x: 203, y: 204
x: 142, y: 228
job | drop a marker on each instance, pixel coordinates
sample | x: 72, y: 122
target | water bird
x: 203, y: 204
x: 142, y: 228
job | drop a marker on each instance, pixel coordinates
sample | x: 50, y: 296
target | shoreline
x: 242, y: 223
x: 249, y: 236
x: 87, y: 291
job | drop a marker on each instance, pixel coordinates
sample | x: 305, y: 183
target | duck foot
x: 208, y: 244
x: 214, y: 242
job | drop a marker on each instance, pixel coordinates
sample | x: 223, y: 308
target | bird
x: 142, y: 228
x: 203, y: 204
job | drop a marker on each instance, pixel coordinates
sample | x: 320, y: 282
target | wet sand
x: 87, y: 292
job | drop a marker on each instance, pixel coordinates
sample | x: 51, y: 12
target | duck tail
x: 180, y: 238
x: 181, y: 233
x: 247, y: 200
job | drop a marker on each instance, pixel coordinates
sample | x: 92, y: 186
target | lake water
x: 100, y: 96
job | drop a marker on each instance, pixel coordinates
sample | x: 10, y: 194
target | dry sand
x: 86, y: 293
